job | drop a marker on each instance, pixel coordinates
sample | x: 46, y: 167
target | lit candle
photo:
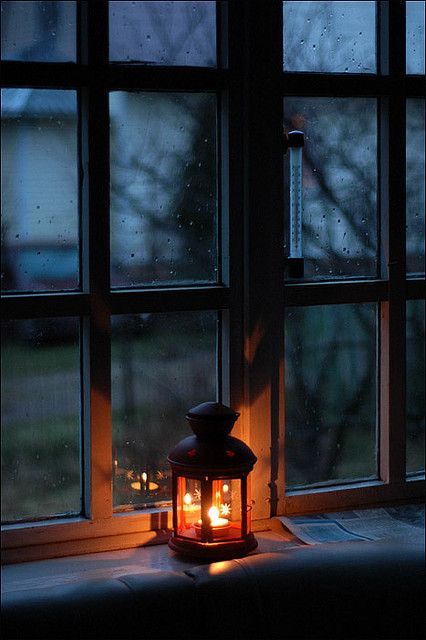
x: 220, y: 526
x: 144, y: 478
x: 215, y: 521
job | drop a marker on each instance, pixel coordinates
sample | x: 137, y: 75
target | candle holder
x: 211, y: 487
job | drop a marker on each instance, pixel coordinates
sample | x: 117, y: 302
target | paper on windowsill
x: 404, y: 523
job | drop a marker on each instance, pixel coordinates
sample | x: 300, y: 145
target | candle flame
x: 214, y: 515
x: 144, y: 476
x: 225, y: 488
x: 187, y: 498
x: 215, y: 521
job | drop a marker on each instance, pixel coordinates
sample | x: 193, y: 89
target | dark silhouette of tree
x: 193, y: 214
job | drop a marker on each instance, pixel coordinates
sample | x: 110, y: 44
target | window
x: 146, y: 242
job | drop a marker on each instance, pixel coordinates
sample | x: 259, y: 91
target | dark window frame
x: 268, y: 298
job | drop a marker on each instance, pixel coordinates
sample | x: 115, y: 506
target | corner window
x: 148, y: 264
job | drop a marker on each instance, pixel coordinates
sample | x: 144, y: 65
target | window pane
x: 38, y: 31
x: 40, y: 418
x: 163, y: 189
x: 339, y: 231
x: 415, y: 181
x: 415, y: 385
x: 337, y: 37
x: 162, y: 365
x: 164, y: 33
x: 415, y: 30
x: 39, y: 232
x: 331, y: 392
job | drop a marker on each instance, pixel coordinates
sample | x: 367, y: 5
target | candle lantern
x: 211, y: 487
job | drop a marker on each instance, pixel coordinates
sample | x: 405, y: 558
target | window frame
x: 391, y: 86
x: 251, y: 84
x: 99, y: 528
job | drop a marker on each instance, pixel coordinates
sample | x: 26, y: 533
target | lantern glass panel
x: 226, y: 512
x: 188, y: 506
x: 223, y: 506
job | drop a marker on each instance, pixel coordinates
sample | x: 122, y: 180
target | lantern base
x: 213, y: 550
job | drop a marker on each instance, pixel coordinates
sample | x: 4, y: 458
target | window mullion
x: 232, y: 58
x: 392, y: 439
x: 96, y: 339
x: 264, y: 191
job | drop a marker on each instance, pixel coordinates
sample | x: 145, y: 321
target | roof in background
x: 36, y: 103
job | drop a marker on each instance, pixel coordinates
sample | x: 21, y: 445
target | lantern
x: 211, y: 487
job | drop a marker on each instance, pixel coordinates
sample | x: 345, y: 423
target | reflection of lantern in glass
x: 211, y: 487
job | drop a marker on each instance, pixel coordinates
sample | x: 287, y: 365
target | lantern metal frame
x: 208, y: 456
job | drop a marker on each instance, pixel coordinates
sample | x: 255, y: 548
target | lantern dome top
x: 212, y: 448
x: 224, y: 455
x: 211, y: 420
x: 212, y: 411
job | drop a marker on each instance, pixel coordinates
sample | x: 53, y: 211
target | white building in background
x: 151, y: 144
x: 40, y: 199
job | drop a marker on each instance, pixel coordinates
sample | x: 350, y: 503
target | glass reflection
x: 415, y: 185
x: 162, y: 364
x: 40, y: 221
x: 38, y: 31
x: 333, y: 37
x: 163, y: 33
x: 40, y: 418
x: 163, y: 189
x: 415, y: 385
x: 339, y: 230
x: 415, y: 33
x: 330, y: 376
